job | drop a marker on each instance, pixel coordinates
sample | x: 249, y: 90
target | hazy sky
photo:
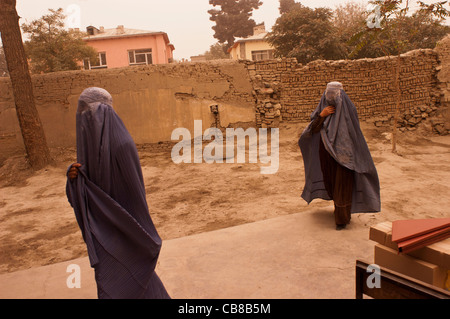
x: 185, y: 21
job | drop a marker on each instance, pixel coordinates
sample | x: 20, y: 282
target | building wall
x: 370, y: 83
x: 256, y: 46
x: 151, y: 100
x: 117, y: 49
x: 154, y: 100
x: 249, y: 47
x: 234, y: 53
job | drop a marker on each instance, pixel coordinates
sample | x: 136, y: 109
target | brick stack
x: 430, y: 264
x: 370, y: 83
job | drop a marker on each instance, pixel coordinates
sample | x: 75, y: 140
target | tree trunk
x: 397, y: 104
x: 30, y: 124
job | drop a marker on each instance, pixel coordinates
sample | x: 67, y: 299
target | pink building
x: 121, y: 47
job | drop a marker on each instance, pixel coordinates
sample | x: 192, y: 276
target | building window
x: 262, y: 55
x: 101, y: 62
x: 142, y: 56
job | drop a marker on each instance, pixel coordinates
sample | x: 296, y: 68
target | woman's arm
x: 317, y: 123
x: 73, y: 171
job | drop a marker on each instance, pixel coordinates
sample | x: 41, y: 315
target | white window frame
x: 260, y: 55
x: 145, y: 52
x: 100, y: 66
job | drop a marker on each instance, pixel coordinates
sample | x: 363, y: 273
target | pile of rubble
x: 268, y: 106
x: 430, y: 117
x: 426, y: 115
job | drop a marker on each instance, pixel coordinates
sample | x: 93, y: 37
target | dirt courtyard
x: 38, y: 226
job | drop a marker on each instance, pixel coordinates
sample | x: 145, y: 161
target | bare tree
x: 30, y: 124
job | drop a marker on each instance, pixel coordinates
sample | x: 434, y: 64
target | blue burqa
x: 108, y: 198
x: 344, y: 141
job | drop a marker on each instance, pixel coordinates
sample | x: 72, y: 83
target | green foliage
x: 216, y: 52
x: 348, y: 19
x: 288, y: 5
x: 400, y: 30
x: 308, y: 34
x: 305, y: 34
x: 397, y: 31
x: 233, y: 19
x: 51, y: 48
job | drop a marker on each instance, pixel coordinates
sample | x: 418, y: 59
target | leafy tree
x: 29, y: 121
x: 216, y: 52
x: 393, y: 29
x: 428, y: 30
x: 420, y: 30
x: 233, y: 19
x: 306, y: 34
x: 288, y: 5
x: 51, y: 48
x: 348, y: 19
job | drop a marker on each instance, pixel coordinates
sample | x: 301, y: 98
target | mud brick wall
x: 151, y: 100
x: 441, y: 123
x: 370, y: 83
x: 154, y: 100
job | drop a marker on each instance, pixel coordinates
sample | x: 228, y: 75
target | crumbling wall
x: 441, y: 122
x: 154, y: 100
x: 369, y: 82
x: 151, y: 100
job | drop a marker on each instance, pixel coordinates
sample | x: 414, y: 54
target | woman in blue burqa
x: 337, y: 160
x: 106, y: 190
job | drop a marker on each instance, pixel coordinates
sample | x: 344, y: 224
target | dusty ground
x: 38, y: 227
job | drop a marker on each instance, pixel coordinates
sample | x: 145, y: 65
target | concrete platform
x: 293, y: 256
